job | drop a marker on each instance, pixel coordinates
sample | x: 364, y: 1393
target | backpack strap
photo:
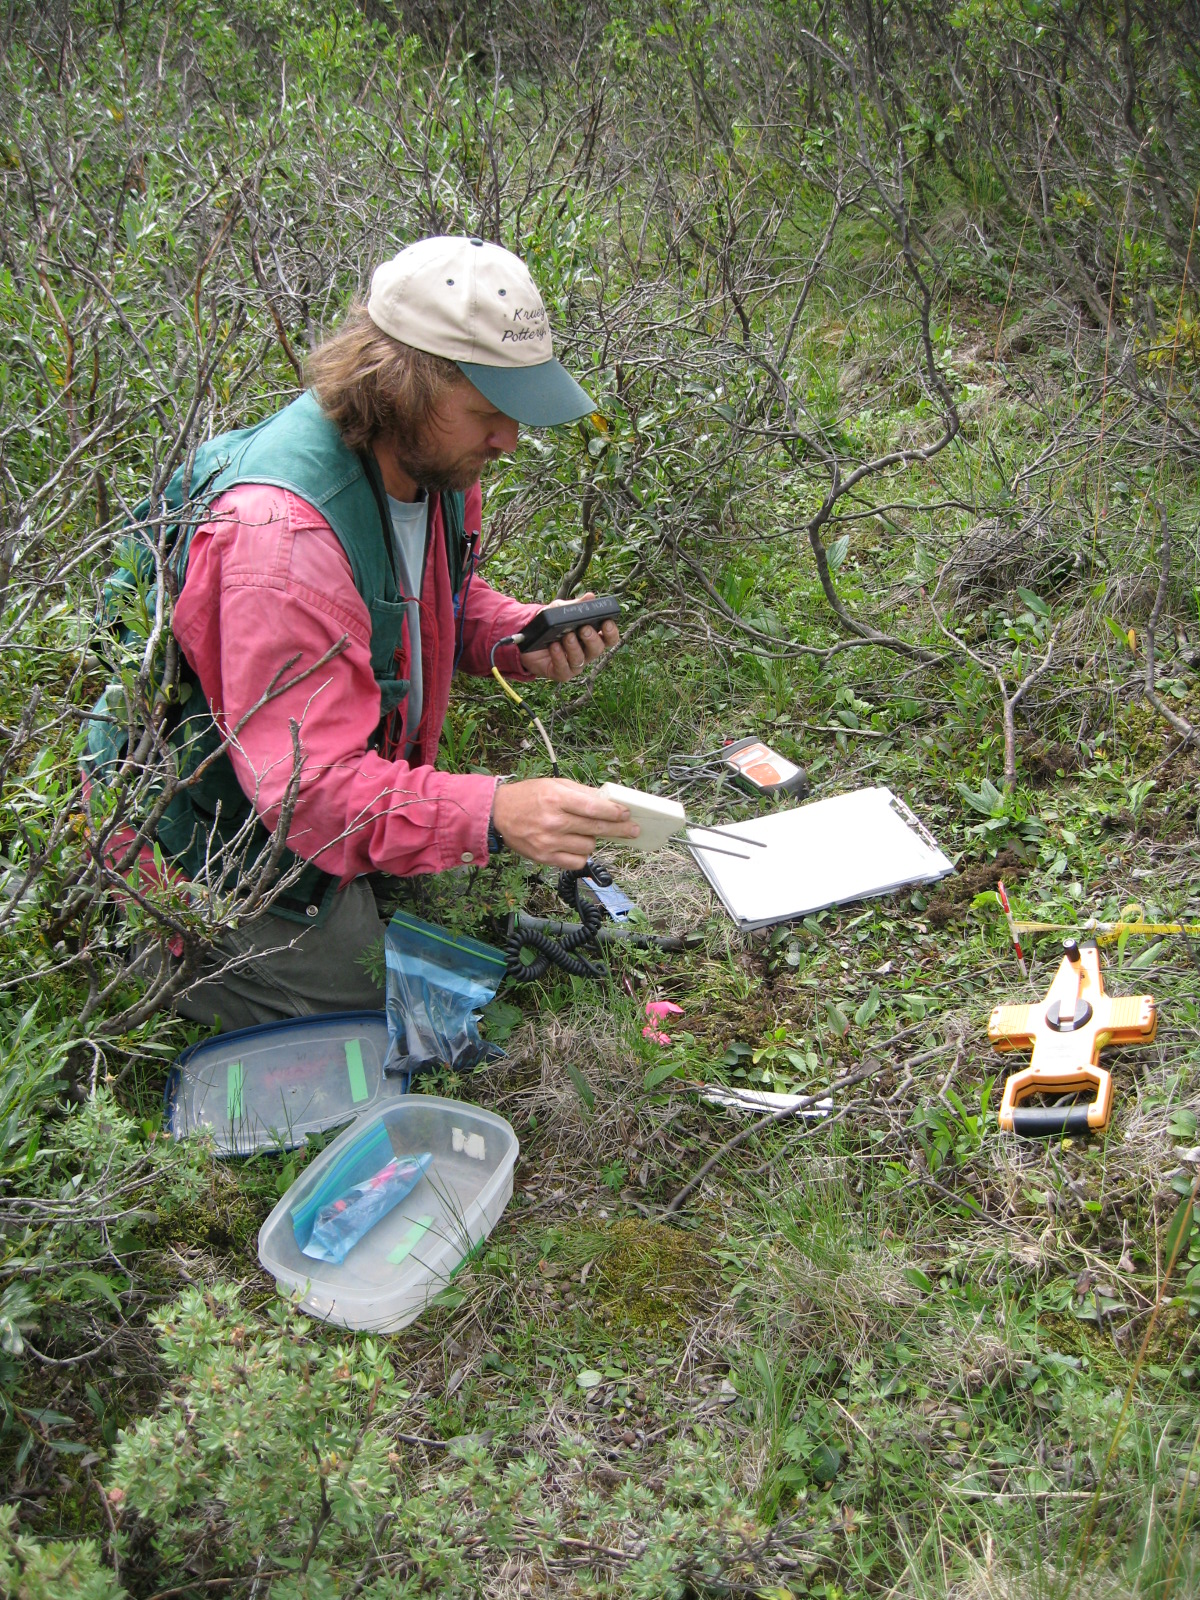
x: 455, y: 529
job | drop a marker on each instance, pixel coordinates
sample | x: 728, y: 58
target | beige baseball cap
x: 475, y: 304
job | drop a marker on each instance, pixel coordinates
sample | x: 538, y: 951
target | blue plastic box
x: 268, y: 1088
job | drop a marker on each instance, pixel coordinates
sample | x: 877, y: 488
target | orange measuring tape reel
x: 1067, y: 1031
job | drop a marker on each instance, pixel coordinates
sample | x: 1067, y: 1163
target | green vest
x: 297, y: 449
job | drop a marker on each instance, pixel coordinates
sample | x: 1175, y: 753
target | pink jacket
x: 268, y: 592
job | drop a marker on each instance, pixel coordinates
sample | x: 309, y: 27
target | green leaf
x: 449, y: 1299
x: 1038, y: 607
x: 659, y: 1074
x: 93, y: 1283
x: 500, y: 1019
x: 925, y: 565
x: 977, y: 802
x: 582, y: 1087
x: 835, y: 553
x: 589, y: 1378
x: 868, y: 1008
x: 48, y: 1418
x: 1147, y: 958
x: 1179, y: 1232
x: 838, y: 1020
x: 956, y: 1101
x: 917, y: 1278
x: 797, y: 1443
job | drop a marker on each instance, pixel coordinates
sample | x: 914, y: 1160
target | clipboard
x: 850, y: 847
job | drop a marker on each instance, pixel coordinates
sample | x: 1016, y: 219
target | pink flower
x: 656, y: 1010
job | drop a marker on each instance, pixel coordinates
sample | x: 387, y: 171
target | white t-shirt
x: 410, y: 527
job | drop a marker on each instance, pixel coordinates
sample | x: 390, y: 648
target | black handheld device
x: 553, y: 621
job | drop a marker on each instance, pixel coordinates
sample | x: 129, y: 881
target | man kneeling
x: 328, y: 594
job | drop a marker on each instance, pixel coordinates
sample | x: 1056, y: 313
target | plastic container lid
x: 268, y: 1088
x: 392, y: 1273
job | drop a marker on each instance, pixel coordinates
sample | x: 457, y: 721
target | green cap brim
x: 539, y: 397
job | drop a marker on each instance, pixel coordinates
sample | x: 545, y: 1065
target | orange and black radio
x: 764, y: 771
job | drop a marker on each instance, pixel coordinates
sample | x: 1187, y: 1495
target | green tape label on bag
x: 354, y: 1070
x: 235, y: 1077
x: 410, y: 1240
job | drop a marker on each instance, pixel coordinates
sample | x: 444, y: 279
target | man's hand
x: 568, y: 656
x: 557, y: 822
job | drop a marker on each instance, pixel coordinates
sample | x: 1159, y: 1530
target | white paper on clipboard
x: 825, y: 853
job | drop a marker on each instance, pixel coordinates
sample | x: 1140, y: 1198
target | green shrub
x: 53, y: 1571
x: 270, y: 1456
x: 262, y: 1448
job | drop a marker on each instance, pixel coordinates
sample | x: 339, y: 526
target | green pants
x: 271, y: 969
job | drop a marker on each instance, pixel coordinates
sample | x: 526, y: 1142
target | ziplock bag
x: 343, y: 1220
x: 362, y: 1160
x: 436, y: 983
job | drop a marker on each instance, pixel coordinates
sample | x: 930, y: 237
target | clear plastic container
x: 268, y: 1088
x: 393, y: 1272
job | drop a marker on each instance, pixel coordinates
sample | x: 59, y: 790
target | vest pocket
x: 392, y: 693
x: 387, y: 623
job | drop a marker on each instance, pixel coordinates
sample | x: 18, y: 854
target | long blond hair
x: 371, y: 386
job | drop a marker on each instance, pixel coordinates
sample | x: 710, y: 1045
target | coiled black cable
x: 560, y: 951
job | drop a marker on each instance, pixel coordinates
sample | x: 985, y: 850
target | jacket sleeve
x: 270, y: 600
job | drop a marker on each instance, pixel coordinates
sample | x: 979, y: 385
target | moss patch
x: 639, y: 1273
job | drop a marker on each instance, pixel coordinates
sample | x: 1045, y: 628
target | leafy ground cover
x: 892, y: 329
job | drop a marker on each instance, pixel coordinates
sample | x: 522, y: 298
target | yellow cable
x: 507, y: 687
x: 537, y: 721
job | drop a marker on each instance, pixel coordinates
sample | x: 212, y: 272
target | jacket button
x: 468, y: 855
x: 312, y: 911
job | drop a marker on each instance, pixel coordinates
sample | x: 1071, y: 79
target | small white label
x: 1051, y: 1050
x: 472, y: 1145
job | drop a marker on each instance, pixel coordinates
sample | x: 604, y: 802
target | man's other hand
x: 557, y: 822
x: 568, y: 656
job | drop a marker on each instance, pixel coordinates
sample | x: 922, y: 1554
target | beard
x: 437, y: 474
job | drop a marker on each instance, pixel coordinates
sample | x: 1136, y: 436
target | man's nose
x: 504, y: 436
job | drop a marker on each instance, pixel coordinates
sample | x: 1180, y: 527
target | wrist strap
x: 495, y: 839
